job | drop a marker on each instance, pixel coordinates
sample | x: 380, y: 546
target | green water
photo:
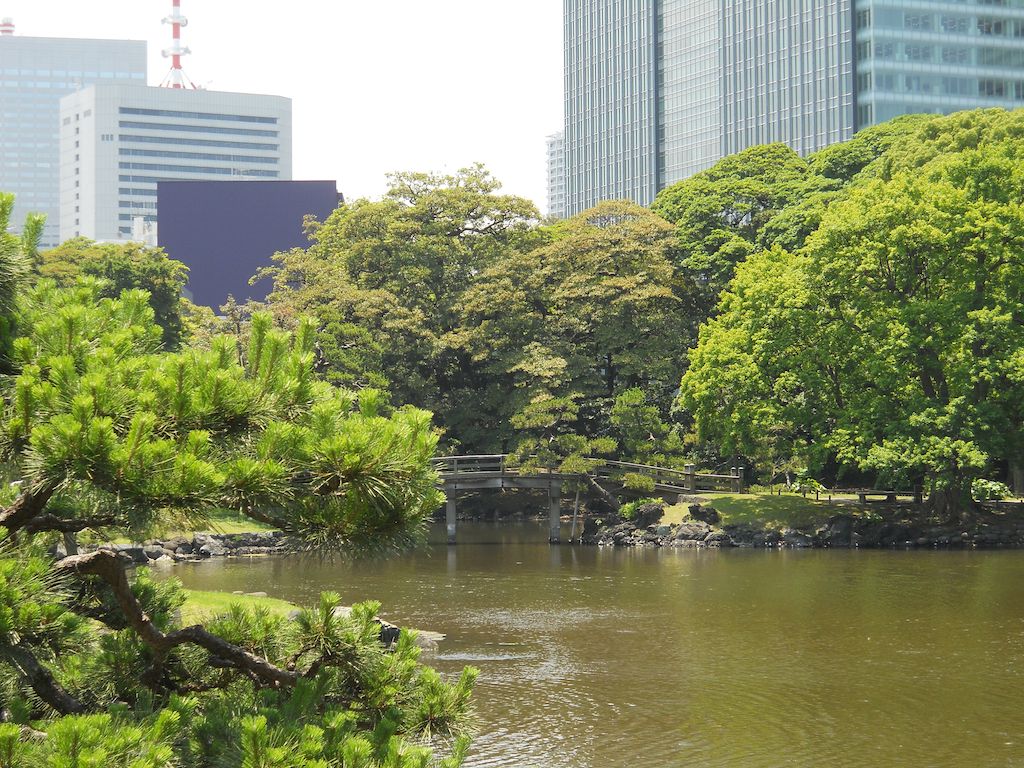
x: 601, y: 658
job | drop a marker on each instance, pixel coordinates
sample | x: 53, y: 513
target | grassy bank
x: 218, y: 521
x: 762, y: 510
x: 200, y: 606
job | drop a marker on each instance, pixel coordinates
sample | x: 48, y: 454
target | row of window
x: 928, y: 54
x: 197, y: 142
x: 197, y: 115
x: 199, y: 129
x: 192, y: 169
x: 930, y: 22
x: 888, y: 82
x: 128, y: 152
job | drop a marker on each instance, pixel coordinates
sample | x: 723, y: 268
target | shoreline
x: 888, y: 528
x: 891, y: 527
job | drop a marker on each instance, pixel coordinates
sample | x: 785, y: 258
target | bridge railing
x: 687, y: 479
x: 453, y: 465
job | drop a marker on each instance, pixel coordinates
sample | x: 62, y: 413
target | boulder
x: 209, y: 545
x: 704, y: 513
x: 648, y: 514
x: 836, y: 532
x: 718, y: 539
x: 692, y: 531
x: 792, y: 538
x: 133, y: 551
x: 153, y: 551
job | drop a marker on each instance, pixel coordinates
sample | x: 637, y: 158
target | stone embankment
x: 201, y: 546
x: 893, y: 527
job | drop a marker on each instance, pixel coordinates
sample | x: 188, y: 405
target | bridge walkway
x: 494, y: 471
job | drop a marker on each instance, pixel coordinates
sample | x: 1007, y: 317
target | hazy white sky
x: 376, y: 86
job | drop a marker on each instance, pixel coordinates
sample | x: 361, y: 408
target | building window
x: 994, y: 88
x: 991, y: 27
x: 955, y: 24
x: 917, y: 21
x: 918, y: 52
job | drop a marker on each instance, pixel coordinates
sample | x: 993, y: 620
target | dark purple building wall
x: 224, y: 231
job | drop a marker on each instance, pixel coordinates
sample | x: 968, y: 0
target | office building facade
x: 117, y: 143
x: 556, y: 175
x: 657, y: 90
x: 224, y: 232
x: 35, y: 73
x: 937, y: 57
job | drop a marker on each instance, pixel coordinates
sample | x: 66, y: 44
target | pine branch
x: 42, y: 681
x: 28, y: 505
x: 110, y: 566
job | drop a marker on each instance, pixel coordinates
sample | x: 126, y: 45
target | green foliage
x: 990, y: 490
x: 890, y: 340
x: 596, y: 311
x: 385, y: 280
x: 122, y: 267
x: 721, y: 213
x: 147, y: 438
x: 805, y: 484
x: 105, y: 433
x: 643, y: 436
x: 451, y: 296
x: 16, y: 256
x: 629, y: 509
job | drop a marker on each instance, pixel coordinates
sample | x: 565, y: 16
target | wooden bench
x: 886, y: 496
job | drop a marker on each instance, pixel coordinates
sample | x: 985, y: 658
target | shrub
x: 990, y: 490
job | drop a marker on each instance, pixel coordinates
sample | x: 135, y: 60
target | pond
x: 595, y: 657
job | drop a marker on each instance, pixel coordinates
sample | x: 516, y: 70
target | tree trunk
x: 604, y: 495
x: 948, y: 503
x: 1017, y: 478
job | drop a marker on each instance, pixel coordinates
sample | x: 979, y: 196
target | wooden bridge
x: 473, y: 473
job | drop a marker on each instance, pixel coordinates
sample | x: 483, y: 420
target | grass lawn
x: 219, y: 521
x: 764, y: 511
x: 203, y: 605
x: 226, y: 521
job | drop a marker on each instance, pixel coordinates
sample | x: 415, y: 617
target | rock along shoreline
x: 894, y: 527
x: 201, y: 546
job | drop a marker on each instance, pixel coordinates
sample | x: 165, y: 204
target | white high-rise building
x: 118, y: 142
x: 556, y: 175
x: 35, y: 72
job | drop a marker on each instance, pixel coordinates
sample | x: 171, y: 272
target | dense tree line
x: 852, y: 312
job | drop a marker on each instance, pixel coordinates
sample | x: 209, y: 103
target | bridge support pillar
x: 555, y: 514
x: 449, y: 518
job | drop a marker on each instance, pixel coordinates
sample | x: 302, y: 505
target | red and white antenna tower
x: 176, y: 78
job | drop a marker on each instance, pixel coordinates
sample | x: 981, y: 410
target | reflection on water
x: 611, y: 658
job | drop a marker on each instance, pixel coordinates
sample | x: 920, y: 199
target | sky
x: 377, y: 87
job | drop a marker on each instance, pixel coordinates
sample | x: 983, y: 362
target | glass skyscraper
x: 35, y: 72
x: 611, y: 131
x: 656, y: 90
x: 937, y: 56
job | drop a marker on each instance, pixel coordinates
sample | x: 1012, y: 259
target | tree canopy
x: 124, y: 266
x: 891, y: 340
